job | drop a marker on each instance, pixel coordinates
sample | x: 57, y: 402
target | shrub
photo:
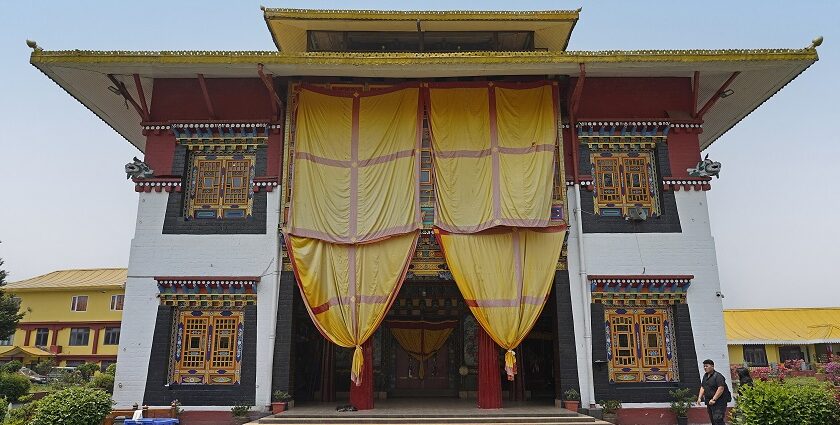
x: 682, y: 401
x: 571, y: 395
x: 798, y: 402
x: 13, y: 386
x: 111, y: 369
x: 68, y: 379
x: 87, y: 370
x: 103, y: 381
x: 12, y: 366
x: 44, y: 367
x: 4, y: 407
x: 281, y: 396
x: 22, y: 415
x: 240, y: 409
x: 610, y: 406
x: 73, y: 406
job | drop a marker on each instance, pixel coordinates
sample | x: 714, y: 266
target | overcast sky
x: 65, y: 203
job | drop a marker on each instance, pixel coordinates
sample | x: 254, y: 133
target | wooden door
x: 436, y: 370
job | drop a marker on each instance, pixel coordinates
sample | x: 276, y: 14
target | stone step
x: 561, y: 419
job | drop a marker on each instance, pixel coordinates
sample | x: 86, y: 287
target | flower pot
x: 682, y: 420
x: 278, y: 407
x: 572, y: 405
x: 610, y: 417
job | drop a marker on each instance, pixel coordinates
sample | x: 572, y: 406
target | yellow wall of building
x: 54, y: 306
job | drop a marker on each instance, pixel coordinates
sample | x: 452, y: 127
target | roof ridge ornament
x: 816, y: 42
x: 34, y: 46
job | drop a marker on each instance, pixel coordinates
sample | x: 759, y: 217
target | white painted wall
x: 154, y: 254
x: 690, y: 252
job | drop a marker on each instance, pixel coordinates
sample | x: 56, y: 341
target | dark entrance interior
x: 322, y: 370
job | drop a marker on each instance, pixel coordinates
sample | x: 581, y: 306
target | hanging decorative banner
x: 505, y: 276
x: 494, y: 147
x: 420, y: 339
x: 348, y: 289
x: 356, y: 168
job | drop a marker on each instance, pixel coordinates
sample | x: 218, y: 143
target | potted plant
x: 280, y: 401
x: 240, y: 412
x: 681, y: 403
x: 610, y: 409
x: 571, y: 400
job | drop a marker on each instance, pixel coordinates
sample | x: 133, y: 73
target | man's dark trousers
x: 717, y: 412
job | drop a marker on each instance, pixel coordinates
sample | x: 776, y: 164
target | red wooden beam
x: 206, y: 94
x: 574, y: 102
x: 716, y: 96
x: 123, y: 91
x: 142, y: 97
x: 276, y: 104
x: 694, y: 94
x: 573, y: 108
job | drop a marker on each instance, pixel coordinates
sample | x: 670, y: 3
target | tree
x: 9, y: 315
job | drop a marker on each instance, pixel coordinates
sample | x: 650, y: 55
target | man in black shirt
x: 714, y: 392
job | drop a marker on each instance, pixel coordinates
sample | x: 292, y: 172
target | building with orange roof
x: 71, y: 316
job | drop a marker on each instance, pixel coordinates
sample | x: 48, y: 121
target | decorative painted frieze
x: 265, y: 183
x: 158, y: 184
x: 686, y: 183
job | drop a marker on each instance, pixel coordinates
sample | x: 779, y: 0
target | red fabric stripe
x: 361, y: 396
x: 489, y: 382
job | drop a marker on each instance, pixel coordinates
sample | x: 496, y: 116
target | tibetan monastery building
x: 418, y: 204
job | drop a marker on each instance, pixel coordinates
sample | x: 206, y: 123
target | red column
x: 95, y: 340
x: 26, y: 340
x: 489, y: 378
x: 361, y: 397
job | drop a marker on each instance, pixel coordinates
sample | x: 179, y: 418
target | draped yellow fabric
x: 494, y: 155
x: 505, y: 276
x: 348, y: 288
x: 356, y: 165
x: 420, y: 342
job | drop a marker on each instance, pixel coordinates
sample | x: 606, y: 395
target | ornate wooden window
x: 624, y: 180
x: 640, y: 345
x: 207, y: 347
x: 220, y: 185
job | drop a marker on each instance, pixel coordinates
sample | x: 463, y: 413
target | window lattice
x: 624, y: 180
x: 206, y: 347
x: 221, y: 186
x: 640, y: 345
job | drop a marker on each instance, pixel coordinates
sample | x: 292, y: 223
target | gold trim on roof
x: 332, y: 58
x: 431, y: 15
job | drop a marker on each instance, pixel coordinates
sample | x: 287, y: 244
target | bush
x: 682, y: 401
x: 240, y: 409
x: 68, y: 379
x: 87, y: 370
x: 4, y: 406
x: 111, y: 369
x: 44, y: 367
x: 281, y: 396
x: 103, y: 381
x: 22, y: 415
x: 799, y: 402
x: 610, y: 406
x: 73, y: 406
x: 571, y: 395
x: 13, y: 386
x: 12, y: 366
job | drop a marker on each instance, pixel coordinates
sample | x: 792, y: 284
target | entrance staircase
x: 434, y: 417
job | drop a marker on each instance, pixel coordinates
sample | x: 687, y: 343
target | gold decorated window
x: 640, y: 345
x: 623, y: 181
x: 220, y: 185
x: 207, y: 347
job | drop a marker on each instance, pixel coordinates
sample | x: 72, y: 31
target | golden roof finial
x: 816, y: 42
x: 33, y: 45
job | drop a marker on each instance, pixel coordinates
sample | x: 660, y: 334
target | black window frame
x: 42, y: 332
x: 75, y: 335
x: 109, y: 338
x: 750, y: 351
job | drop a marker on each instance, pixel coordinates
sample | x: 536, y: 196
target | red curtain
x: 327, y: 371
x: 489, y: 377
x: 361, y: 397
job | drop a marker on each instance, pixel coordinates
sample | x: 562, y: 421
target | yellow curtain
x: 421, y: 340
x: 505, y: 275
x: 494, y: 155
x: 356, y: 165
x: 349, y: 288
